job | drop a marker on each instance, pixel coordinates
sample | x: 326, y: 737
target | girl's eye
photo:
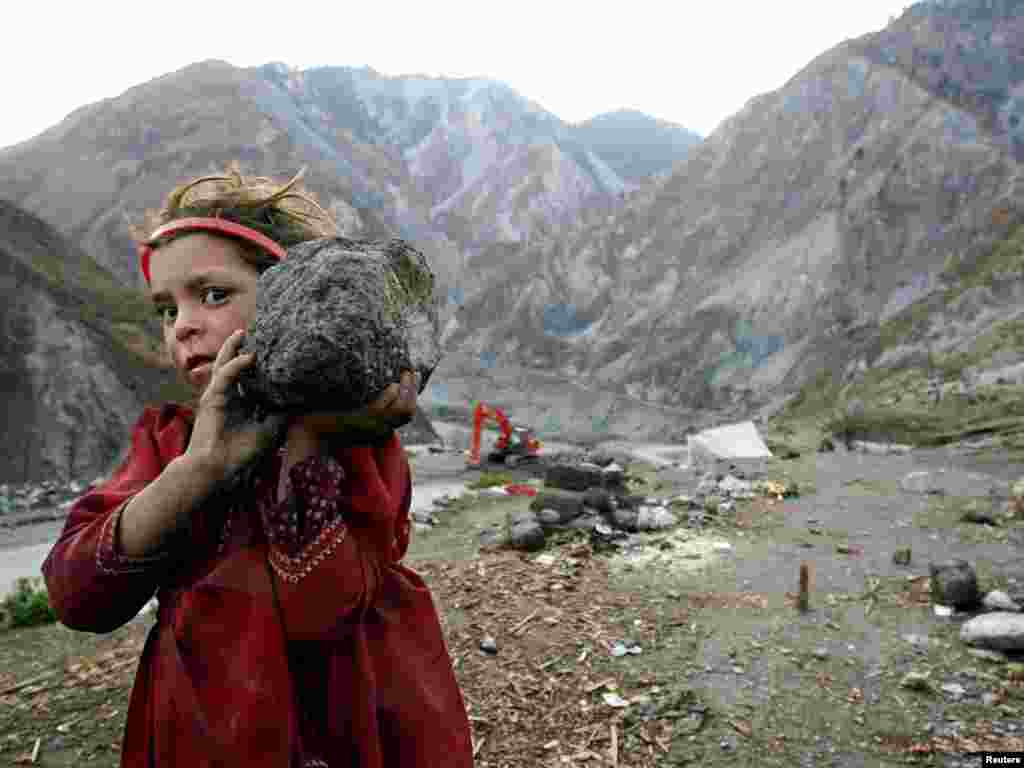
x: 161, y: 312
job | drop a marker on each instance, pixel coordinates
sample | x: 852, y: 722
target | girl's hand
x: 221, y: 450
x: 370, y: 425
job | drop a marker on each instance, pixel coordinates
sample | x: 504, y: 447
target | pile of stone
x: 999, y: 623
x: 589, y: 491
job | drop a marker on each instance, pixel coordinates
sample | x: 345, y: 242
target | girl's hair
x: 285, y: 212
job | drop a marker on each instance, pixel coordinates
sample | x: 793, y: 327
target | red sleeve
x: 93, y: 587
x: 339, y: 572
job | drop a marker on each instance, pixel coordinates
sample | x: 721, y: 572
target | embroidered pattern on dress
x: 311, y: 502
x: 112, y: 562
x: 294, y: 569
x: 307, y: 525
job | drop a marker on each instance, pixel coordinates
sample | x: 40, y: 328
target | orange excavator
x: 515, y: 445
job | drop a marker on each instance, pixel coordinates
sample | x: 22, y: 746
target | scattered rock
x: 549, y: 517
x: 655, y: 518
x: 821, y: 654
x: 495, y: 536
x: 955, y: 584
x: 1000, y: 631
x: 999, y: 601
x: 527, y: 535
x: 568, y: 505
x: 600, y: 500
x: 975, y: 515
x: 916, y: 681
x: 955, y: 690
x: 920, y: 482
x: 574, y: 478
x: 734, y: 487
x: 488, y: 645
x: 901, y: 556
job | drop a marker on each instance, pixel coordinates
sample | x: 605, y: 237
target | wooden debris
x: 35, y: 751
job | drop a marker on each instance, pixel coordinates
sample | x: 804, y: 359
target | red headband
x: 212, y: 225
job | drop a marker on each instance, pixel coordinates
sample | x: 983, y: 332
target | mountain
x: 856, y: 224
x: 843, y: 237
x: 77, y: 353
x: 635, y: 145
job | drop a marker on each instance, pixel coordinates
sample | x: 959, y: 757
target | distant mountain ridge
x: 636, y: 145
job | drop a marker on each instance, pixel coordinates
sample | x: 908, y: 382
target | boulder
x: 549, y: 517
x: 527, y: 535
x: 655, y: 518
x: 494, y: 536
x: 568, y: 505
x: 625, y: 518
x: 518, y: 516
x: 336, y: 322
x: 574, y: 478
x: 598, y: 499
x: 1001, y: 631
x: 955, y: 584
x: 999, y: 601
x: 735, y: 487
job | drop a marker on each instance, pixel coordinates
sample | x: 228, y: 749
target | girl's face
x: 203, y: 291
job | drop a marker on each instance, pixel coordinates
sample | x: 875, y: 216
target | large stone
x: 568, y: 505
x: 336, y: 322
x: 598, y: 499
x: 527, y: 535
x: 655, y: 518
x: 569, y: 477
x: 998, y: 631
x: 997, y: 600
x: 955, y: 584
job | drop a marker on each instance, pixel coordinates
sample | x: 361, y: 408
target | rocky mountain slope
x: 806, y: 237
x: 636, y: 145
x: 76, y: 371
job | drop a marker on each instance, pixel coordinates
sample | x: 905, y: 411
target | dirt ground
x: 723, y: 669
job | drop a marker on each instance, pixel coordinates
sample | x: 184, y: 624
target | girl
x: 288, y: 634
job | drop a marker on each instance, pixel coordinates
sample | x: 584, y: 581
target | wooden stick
x: 515, y: 630
x: 35, y: 750
x: 804, y: 603
x: 478, y: 746
x: 615, y: 746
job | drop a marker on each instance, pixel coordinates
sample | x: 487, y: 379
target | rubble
x: 955, y: 584
x: 1000, y: 631
x: 997, y: 600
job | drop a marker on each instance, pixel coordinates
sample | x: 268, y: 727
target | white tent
x: 733, y: 441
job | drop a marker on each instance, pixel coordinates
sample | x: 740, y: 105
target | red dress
x: 370, y: 667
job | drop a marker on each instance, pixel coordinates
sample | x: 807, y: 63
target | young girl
x: 288, y: 634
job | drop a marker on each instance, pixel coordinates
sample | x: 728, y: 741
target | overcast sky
x: 694, y: 67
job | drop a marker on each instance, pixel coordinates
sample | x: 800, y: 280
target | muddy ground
x: 728, y: 671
